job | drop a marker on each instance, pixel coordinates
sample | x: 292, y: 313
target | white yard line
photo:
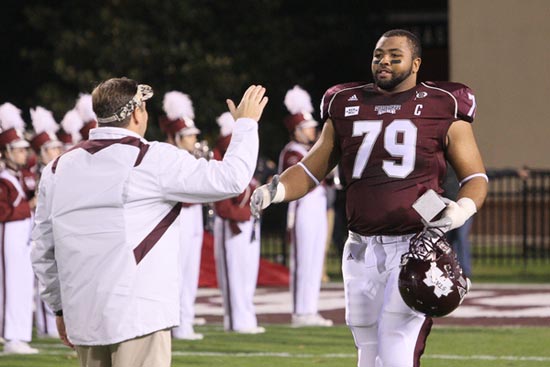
x: 59, y: 349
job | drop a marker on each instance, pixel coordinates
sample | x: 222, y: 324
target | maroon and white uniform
x: 16, y: 270
x: 191, y: 231
x: 237, y: 255
x: 392, y: 150
x: 307, y: 224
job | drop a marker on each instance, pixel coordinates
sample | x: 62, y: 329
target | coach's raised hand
x: 252, y: 104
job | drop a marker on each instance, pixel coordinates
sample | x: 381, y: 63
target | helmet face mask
x: 431, y: 280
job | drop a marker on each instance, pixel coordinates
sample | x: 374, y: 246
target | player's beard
x: 396, y: 79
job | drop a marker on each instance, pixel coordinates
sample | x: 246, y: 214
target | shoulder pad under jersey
x: 338, y: 90
x: 462, y: 95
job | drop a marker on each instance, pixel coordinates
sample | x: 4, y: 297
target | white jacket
x: 105, y: 250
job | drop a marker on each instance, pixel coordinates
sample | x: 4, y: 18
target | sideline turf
x: 283, y: 346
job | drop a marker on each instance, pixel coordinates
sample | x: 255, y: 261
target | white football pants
x: 386, y: 331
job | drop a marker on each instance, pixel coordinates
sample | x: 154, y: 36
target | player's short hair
x: 111, y: 95
x: 414, y: 42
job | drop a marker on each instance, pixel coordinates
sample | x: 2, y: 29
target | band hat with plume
x: 84, y: 107
x: 72, y: 123
x: 43, y: 120
x: 180, y: 114
x: 45, y: 127
x: 226, y: 123
x: 143, y: 93
x: 85, y: 110
x: 298, y: 103
x: 12, y: 127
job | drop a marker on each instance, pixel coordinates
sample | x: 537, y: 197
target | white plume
x: 178, y: 105
x: 10, y: 116
x: 226, y: 122
x: 72, y: 123
x: 298, y: 100
x: 85, y: 108
x: 43, y: 121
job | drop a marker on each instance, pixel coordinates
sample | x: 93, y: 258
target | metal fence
x: 513, y: 226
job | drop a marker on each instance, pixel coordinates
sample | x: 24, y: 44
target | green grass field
x: 284, y: 346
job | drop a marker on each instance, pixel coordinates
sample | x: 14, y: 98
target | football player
x: 391, y: 139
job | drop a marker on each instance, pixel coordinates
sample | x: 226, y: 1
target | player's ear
x: 416, y: 64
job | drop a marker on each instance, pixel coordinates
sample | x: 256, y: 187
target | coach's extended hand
x: 252, y: 104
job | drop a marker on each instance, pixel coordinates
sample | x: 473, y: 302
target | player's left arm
x: 463, y: 154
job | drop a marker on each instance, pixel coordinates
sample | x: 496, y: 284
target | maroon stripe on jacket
x: 421, y: 341
x: 96, y: 145
x: 4, y: 285
x: 153, y: 237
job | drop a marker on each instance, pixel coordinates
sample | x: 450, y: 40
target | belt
x: 382, y: 238
x: 392, y: 239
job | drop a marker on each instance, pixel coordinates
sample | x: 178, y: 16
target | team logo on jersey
x: 434, y: 278
x: 352, y: 98
x: 421, y: 94
x: 351, y: 111
x: 391, y: 108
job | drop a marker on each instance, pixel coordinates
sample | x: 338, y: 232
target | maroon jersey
x: 291, y: 154
x: 14, y: 205
x: 236, y: 209
x: 392, y: 148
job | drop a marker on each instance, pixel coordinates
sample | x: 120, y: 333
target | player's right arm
x: 296, y: 181
x: 319, y: 161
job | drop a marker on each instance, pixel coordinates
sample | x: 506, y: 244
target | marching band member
x: 15, y: 229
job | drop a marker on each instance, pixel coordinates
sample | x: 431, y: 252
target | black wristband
x: 58, y: 313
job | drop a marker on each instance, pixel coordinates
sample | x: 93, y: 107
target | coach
x: 106, y: 245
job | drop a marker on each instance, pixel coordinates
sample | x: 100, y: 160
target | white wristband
x: 466, y: 179
x: 279, y: 194
x: 308, y: 172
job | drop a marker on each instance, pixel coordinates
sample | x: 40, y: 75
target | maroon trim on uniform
x: 421, y: 341
x: 294, y: 243
x: 153, y: 237
x: 3, y: 245
x: 96, y: 145
x: 226, y: 273
x: 44, y: 317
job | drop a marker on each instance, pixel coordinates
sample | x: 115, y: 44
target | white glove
x: 455, y: 215
x: 263, y: 196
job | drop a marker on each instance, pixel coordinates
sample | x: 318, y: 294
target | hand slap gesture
x: 252, y: 104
